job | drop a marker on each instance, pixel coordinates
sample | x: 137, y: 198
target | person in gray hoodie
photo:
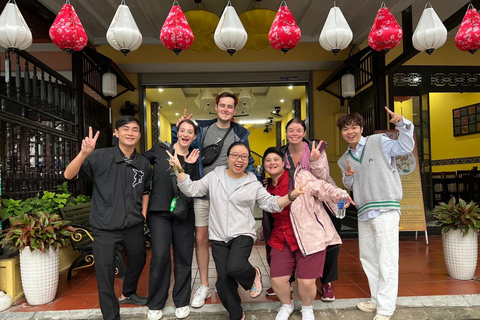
x: 233, y: 194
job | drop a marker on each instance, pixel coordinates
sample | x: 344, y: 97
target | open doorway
x: 264, y: 110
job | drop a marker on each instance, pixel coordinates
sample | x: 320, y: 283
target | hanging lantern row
x: 68, y: 34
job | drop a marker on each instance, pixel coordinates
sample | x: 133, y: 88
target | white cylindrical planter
x: 39, y: 273
x: 460, y: 253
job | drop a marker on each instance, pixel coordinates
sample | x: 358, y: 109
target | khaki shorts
x: 202, y: 209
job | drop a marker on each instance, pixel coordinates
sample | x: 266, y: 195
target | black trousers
x: 166, y: 230
x: 104, y: 248
x: 330, y: 269
x: 233, y: 268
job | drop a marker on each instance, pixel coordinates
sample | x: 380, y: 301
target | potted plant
x: 460, y: 223
x: 38, y: 235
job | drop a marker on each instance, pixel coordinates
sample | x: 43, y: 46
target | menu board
x: 412, y: 205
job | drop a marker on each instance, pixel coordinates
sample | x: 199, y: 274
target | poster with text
x: 412, y: 205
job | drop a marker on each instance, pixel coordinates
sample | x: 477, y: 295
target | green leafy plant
x: 13, y: 208
x: 39, y: 230
x: 457, y: 216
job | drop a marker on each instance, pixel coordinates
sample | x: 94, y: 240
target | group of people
x: 209, y: 164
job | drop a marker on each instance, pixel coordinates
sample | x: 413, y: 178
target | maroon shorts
x: 283, y: 263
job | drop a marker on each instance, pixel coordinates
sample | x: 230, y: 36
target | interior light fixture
x: 290, y: 87
x: 177, y: 114
x: 282, y: 100
x: 258, y: 121
x: 160, y: 90
x: 169, y: 103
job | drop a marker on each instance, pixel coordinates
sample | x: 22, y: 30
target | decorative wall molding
x: 446, y: 162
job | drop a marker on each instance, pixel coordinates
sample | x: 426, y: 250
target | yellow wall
x: 303, y: 107
x: 259, y: 141
x: 404, y: 108
x: 285, y: 120
x: 444, y: 144
x: 148, y: 129
x: 325, y: 107
x: 165, y: 129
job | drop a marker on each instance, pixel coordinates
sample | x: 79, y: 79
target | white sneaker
x: 381, y: 317
x: 367, y: 306
x: 154, y: 314
x: 285, y: 311
x: 200, y: 296
x: 182, y: 312
x: 307, y: 313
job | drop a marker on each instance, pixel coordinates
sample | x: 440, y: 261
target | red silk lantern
x: 284, y: 33
x: 176, y: 33
x: 468, y: 35
x: 386, y: 33
x: 67, y: 31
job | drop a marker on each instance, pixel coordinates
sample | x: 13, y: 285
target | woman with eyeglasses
x: 233, y: 194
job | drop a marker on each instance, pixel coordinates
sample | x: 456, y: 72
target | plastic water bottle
x: 341, y: 205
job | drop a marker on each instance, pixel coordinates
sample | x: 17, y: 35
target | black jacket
x: 162, y: 189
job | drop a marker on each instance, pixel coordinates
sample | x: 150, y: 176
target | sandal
x: 257, y: 288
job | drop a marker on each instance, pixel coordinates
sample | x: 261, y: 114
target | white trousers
x: 378, y: 242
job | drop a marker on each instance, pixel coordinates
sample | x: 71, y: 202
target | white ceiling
x: 310, y: 15
x: 267, y: 99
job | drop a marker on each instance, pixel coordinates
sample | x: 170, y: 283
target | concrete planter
x: 460, y: 253
x: 39, y: 273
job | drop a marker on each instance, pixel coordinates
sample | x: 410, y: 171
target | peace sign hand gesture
x: 349, y: 172
x: 395, y: 117
x: 299, y: 190
x: 88, y: 144
x: 315, y: 153
x: 193, y: 156
x: 173, y: 161
x: 184, y: 117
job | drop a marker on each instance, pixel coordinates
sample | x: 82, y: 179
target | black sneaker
x: 133, y: 299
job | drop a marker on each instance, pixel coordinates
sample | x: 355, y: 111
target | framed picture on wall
x: 466, y: 120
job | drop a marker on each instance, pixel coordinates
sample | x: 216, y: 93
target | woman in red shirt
x: 298, y: 248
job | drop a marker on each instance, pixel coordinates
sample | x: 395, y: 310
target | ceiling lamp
x: 14, y: 31
x: 246, y: 98
x: 207, y: 99
x: 386, y: 33
x: 336, y: 34
x: 284, y: 33
x: 257, y: 22
x: 430, y: 33
x: 348, y: 85
x: 109, y: 84
x: 230, y: 34
x: 176, y: 34
x: 67, y: 31
x: 123, y: 33
x: 203, y: 24
x: 468, y: 37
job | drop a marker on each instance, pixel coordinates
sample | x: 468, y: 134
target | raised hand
x: 173, y: 161
x: 315, y: 153
x: 88, y: 144
x: 184, y: 117
x: 349, y: 170
x: 193, y: 156
x: 349, y: 201
x: 394, y: 117
x: 300, y: 189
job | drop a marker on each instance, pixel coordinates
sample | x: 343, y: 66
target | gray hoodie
x: 232, y: 216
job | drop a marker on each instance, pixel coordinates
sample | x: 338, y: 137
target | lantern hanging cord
x: 123, y: 3
x: 383, y: 5
x: 283, y: 3
x: 175, y: 2
x: 428, y: 5
x: 470, y: 6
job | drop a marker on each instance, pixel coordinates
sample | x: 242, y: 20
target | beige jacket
x: 311, y: 224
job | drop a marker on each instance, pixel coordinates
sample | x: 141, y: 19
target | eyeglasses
x: 235, y: 156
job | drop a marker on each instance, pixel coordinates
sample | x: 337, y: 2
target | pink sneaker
x: 327, y: 293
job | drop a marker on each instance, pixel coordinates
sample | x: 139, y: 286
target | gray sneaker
x: 200, y: 296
